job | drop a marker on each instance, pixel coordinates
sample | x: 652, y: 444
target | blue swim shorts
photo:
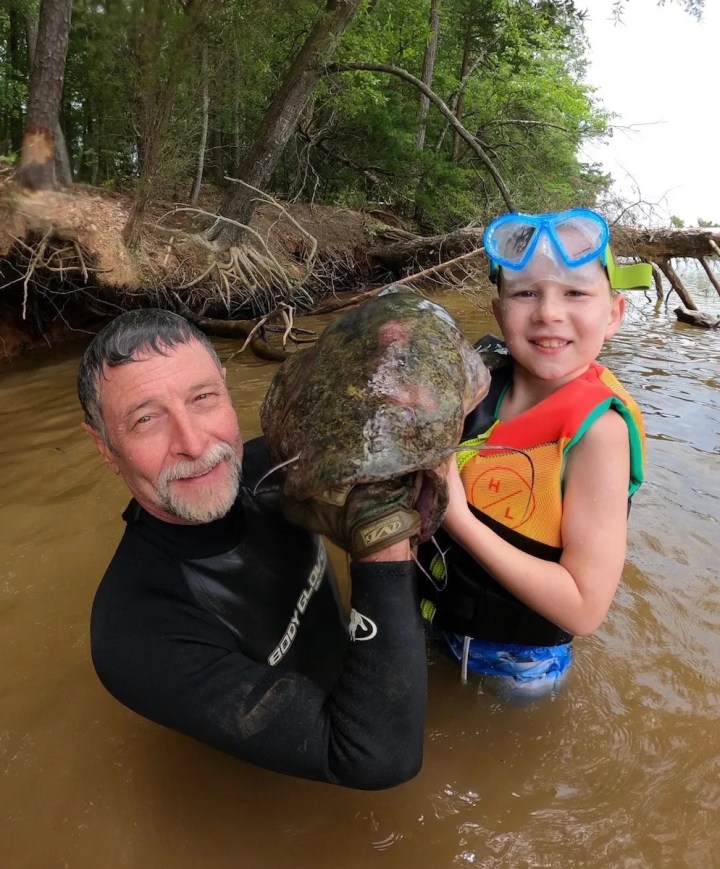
x: 510, y: 668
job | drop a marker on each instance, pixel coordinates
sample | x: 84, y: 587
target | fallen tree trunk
x: 425, y: 251
x: 697, y: 318
x: 649, y: 244
x: 253, y: 331
x: 657, y: 244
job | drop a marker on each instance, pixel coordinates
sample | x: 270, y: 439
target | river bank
x: 65, y: 268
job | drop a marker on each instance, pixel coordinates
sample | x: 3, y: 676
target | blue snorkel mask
x: 567, y: 247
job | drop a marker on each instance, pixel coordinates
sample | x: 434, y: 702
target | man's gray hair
x: 150, y: 330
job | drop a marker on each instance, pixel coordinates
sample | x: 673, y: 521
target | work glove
x: 361, y: 519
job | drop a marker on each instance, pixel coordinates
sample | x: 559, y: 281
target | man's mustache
x: 187, y: 470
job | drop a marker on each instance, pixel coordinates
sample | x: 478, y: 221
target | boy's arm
x: 576, y: 593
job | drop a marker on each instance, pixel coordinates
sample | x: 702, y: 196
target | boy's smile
x: 554, y: 331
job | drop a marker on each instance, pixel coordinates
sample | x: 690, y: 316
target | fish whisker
x: 273, y: 469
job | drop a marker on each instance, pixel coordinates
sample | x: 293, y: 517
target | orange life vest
x: 517, y: 490
x: 524, y: 490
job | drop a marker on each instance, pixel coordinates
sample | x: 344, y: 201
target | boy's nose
x: 549, y: 308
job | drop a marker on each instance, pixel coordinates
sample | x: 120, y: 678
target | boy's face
x: 555, y: 330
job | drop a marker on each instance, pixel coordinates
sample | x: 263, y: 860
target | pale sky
x: 658, y: 71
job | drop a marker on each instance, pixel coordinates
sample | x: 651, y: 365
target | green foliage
x: 676, y: 221
x: 702, y: 223
x: 525, y: 101
x: 14, y: 72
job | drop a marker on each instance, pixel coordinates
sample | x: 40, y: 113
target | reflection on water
x: 621, y: 770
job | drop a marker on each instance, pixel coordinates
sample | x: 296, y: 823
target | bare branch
x: 444, y: 110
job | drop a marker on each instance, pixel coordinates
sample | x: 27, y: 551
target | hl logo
x: 504, y: 494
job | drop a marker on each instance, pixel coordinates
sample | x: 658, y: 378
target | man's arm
x: 178, y: 666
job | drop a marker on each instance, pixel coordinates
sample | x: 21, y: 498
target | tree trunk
x: 282, y: 116
x: 664, y: 243
x: 63, y: 168
x: 675, y: 282
x: 157, y: 125
x: 650, y: 244
x: 428, y: 70
x: 697, y: 318
x: 37, y: 162
x: 467, y: 65
x: 195, y: 194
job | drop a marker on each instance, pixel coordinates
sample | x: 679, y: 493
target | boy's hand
x: 457, y: 499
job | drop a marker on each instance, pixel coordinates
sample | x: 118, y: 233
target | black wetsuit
x: 233, y: 633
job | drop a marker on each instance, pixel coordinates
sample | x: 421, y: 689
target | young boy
x: 533, y: 543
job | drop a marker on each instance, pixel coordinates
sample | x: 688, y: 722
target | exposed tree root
x: 253, y: 331
x: 241, y: 277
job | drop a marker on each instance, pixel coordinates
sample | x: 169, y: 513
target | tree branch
x: 333, y: 68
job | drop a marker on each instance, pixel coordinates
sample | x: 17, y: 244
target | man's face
x: 173, y: 432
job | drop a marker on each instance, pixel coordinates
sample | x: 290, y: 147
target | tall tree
x: 205, y: 97
x: 428, y: 69
x: 282, y: 115
x: 162, y: 74
x: 37, y: 162
x: 63, y: 169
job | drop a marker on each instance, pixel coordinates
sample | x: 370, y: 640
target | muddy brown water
x: 621, y: 770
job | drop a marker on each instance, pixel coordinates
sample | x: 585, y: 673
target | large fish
x: 382, y: 394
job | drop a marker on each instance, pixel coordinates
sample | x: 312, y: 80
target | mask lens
x: 512, y: 241
x: 579, y: 237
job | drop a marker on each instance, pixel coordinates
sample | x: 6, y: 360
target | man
x: 217, y: 617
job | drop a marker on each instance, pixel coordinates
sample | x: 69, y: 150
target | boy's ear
x: 103, y: 448
x: 497, y: 310
x: 617, y: 312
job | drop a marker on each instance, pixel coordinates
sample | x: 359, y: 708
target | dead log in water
x: 253, y: 331
x: 402, y: 250
x: 697, y: 318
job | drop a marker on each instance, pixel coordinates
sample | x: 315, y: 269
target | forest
x: 159, y: 144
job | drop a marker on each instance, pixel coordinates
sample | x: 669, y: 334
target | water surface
x: 621, y: 770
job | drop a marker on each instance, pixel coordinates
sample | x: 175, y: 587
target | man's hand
x: 366, y: 519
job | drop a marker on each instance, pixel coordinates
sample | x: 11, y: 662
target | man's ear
x: 617, y: 312
x: 103, y: 448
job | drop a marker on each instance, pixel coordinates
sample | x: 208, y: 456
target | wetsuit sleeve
x: 178, y: 665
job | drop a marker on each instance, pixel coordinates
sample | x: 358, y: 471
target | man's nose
x: 188, y: 437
